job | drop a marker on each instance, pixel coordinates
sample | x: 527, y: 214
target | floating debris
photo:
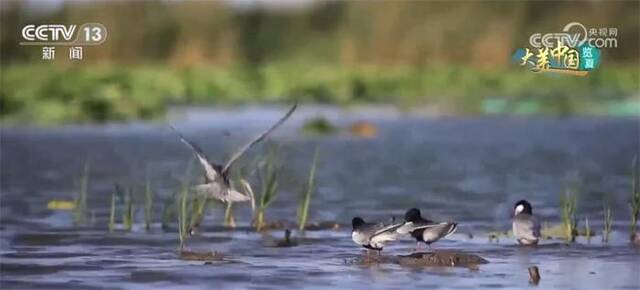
x: 534, y: 275
x: 284, y: 243
x: 200, y: 256
x: 363, y: 129
x: 57, y: 204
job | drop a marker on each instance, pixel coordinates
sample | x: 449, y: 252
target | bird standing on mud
x: 217, y: 185
x: 424, y: 230
x: 372, y: 236
x: 526, y: 227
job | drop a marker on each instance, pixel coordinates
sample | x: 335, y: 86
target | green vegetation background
x: 444, y: 57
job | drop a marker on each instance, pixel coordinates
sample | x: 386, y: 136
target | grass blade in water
x: 148, y: 205
x: 112, y: 212
x: 303, y: 211
x: 80, y: 198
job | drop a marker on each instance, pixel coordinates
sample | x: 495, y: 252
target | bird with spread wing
x: 217, y: 185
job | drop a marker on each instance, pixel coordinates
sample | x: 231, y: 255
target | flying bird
x: 526, y: 227
x: 216, y: 176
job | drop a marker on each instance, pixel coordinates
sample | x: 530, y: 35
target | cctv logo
x: 48, y: 32
x: 576, y: 39
x: 59, y: 34
x: 551, y: 39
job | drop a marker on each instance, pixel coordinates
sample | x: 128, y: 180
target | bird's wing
x: 209, y: 167
x: 388, y: 233
x: 408, y: 227
x: 257, y: 139
x: 526, y: 227
x: 536, y: 227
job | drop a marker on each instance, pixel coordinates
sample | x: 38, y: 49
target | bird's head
x: 522, y: 206
x: 357, y: 222
x: 412, y: 215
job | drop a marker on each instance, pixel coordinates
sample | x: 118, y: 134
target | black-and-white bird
x: 526, y: 227
x: 216, y: 176
x: 424, y: 230
x: 373, y: 236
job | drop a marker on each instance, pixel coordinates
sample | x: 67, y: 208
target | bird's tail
x: 213, y: 190
x: 234, y: 196
x: 452, y: 228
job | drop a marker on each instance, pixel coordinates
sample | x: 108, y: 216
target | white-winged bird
x: 424, y: 230
x: 373, y: 236
x: 526, y: 227
x: 216, y: 177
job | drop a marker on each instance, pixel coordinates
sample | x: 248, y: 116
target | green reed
x: 635, y: 195
x: 112, y: 212
x: 80, y: 197
x: 303, y: 209
x: 197, y: 207
x: 129, y: 210
x: 148, y: 205
x: 183, y: 230
x: 569, y: 203
x: 169, y: 211
x: 229, y: 220
x: 182, y: 218
x: 268, y: 174
x: 587, y: 229
x: 608, y: 222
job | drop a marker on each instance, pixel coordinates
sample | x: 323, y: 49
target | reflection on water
x: 468, y: 169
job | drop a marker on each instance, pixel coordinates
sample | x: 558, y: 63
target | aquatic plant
x: 112, y: 212
x: 183, y: 230
x: 168, y: 211
x: 80, y: 197
x: 229, y: 219
x: 128, y: 212
x: 635, y: 195
x: 318, y: 126
x: 148, y: 205
x: 608, y: 222
x: 127, y: 206
x: 197, y: 207
x: 268, y: 174
x: 587, y: 229
x: 303, y: 209
x: 569, y: 202
x: 182, y: 218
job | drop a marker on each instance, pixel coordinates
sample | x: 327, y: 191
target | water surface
x: 470, y: 170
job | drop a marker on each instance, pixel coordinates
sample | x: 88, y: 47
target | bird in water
x: 526, y: 227
x: 216, y: 176
x: 424, y: 230
x: 373, y: 236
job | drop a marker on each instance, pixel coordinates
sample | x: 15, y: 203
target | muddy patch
x: 425, y: 259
